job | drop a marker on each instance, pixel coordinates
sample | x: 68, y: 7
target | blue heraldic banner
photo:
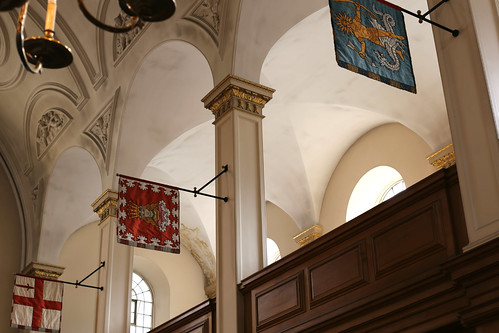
x: 370, y: 39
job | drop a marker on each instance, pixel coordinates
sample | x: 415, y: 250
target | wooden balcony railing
x: 397, y: 268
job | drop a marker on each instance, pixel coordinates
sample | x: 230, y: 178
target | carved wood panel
x: 356, y: 276
x: 337, y: 274
x: 280, y: 301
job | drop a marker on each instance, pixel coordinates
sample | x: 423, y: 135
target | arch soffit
x: 162, y: 102
x: 285, y: 14
x: 23, y: 226
x: 73, y: 184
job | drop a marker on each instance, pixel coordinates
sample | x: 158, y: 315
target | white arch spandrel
x: 74, y: 184
x: 163, y: 101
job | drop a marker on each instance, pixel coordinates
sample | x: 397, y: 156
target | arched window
x: 273, y: 253
x: 141, y: 306
x: 375, y: 186
x: 393, y: 189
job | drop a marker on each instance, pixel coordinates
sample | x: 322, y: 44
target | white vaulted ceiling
x: 160, y: 129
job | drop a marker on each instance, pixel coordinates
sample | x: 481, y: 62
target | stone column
x: 113, y: 306
x: 241, y: 230
x: 468, y: 78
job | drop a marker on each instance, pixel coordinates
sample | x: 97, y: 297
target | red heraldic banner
x: 37, y: 304
x: 148, y: 215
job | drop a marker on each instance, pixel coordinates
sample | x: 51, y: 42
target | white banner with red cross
x: 37, y: 304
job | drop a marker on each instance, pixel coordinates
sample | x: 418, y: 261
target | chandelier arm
x: 20, y: 42
x: 91, y: 18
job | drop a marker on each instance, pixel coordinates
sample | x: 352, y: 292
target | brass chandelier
x: 47, y: 52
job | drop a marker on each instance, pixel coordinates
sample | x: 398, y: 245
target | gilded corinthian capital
x: 235, y: 93
x: 106, y: 205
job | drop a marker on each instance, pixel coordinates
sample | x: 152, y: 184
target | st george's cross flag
x: 36, y: 304
x: 148, y: 215
x: 370, y: 39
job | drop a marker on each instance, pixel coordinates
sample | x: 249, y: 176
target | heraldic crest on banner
x: 148, y: 215
x: 370, y: 39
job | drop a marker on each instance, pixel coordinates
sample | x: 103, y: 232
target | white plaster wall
x: 160, y: 288
x: 80, y: 256
x: 281, y: 229
x: 184, y: 276
x: 392, y: 145
x: 74, y: 183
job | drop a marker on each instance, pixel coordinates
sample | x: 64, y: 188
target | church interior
x: 320, y: 161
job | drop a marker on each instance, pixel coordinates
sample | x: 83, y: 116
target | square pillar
x: 241, y: 229
x: 113, y: 303
x: 468, y: 80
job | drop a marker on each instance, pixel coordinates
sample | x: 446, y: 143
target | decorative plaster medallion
x: 206, y: 14
x: 37, y: 190
x: 50, y: 127
x: 100, y: 129
x: 122, y: 41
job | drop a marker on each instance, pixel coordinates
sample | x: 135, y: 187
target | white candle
x: 50, y: 20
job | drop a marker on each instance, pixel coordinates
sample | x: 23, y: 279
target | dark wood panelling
x: 408, y: 239
x: 283, y: 299
x: 381, y: 272
x: 396, y: 268
x: 199, y: 325
x: 337, y: 274
x: 199, y: 319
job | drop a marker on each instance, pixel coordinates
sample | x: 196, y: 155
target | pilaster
x: 113, y: 303
x: 468, y: 78
x: 237, y: 105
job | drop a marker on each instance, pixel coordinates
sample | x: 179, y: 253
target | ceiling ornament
x: 123, y: 40
x: 37, y: 53
x: 50, y: 127
x: 100, y: 129
x: 206, y: 14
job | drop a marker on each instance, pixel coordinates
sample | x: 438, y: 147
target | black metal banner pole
x: 454, y: 32
x: 102, y: 264
x: 195, y: 191
x: 432, y: 9
x: 421, y: 18
x: 82, y: 285
x: 205, y: 194
x: 225, y: 169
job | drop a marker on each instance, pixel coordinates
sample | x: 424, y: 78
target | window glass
x: 394, y: 189
x: 375, y: 186
x: 141, y: 305
x: 273, y: 253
